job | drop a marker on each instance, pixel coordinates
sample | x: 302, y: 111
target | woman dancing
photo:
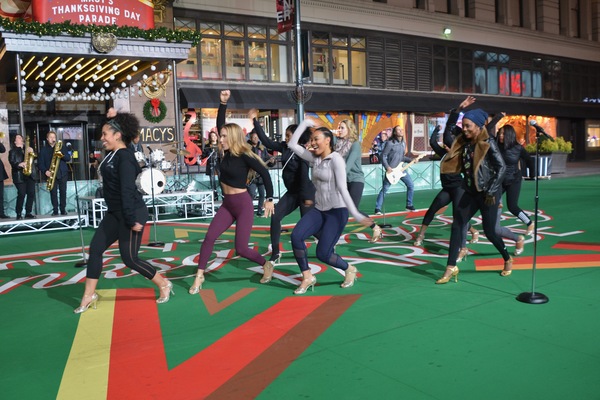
x: 126, y: 213
x: 300, y: 191
x: 236, y: 163
x: 332, y: 201
x: 477, y: 156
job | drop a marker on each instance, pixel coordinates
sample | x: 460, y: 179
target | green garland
x: 76, y: 30
x: 148, y: 112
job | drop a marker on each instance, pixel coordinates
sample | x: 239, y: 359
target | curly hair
x: 127, y: 124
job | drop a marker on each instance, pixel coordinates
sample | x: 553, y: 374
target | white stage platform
x: 41, y: 223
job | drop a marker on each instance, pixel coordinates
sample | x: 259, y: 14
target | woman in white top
x: 332, y: 202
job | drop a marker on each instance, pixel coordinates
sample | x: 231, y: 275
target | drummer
x: 138, y: 150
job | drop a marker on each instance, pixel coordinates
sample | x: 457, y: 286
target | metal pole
x: 176, y: 106
x: 298, y: 46
x: 20, y: 94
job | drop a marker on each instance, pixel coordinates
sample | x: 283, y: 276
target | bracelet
x: 270, y: 199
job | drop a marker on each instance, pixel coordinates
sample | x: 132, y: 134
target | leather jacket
x: 488, y: 164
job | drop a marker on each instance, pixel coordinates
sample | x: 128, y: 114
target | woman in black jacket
x: 513, y: 153
x: 300, y: 189
x: 477, y: 157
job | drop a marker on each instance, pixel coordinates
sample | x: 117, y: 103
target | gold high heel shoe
x: 446, y: 278
x: 277, y: 259
x: 169, y: 286
x: 351, y: 272
x: 419, y: 239
x: 507, y: 267
x: 520, y: 245
x: 268, y: 272
x: 377, y: 234
x: 93, y: 302
x: 302, y: 289
x: 475, y: 237
x: 200, y: 279
x: 462, y: 255
x: 530, y: 228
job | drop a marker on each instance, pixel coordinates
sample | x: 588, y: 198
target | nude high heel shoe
x: 452, y: 272
x: 475, y: 237
x: 268, y: 272
x: 170, y: 292
x: 530, y: 228
x: 462, y: 255
x: 310, y: 284
x: 93, y: 302
x: 520, y: 245
x: 351, y: 272
x: 377, y: 234
x: 198, y: 281
x: 419, y: 239
x: 507, y: 267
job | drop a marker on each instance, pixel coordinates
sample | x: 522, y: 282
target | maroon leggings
x: 235, y: 208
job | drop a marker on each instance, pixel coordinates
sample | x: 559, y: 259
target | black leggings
x: 513, y: 190
x: 443, y: 198
x: 285, y: 206
x: 463, y: 212
x: 113, y: 228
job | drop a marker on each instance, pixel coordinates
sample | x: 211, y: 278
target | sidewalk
x: 580, y: 168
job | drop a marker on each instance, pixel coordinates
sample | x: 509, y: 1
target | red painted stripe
x: 559, y: 261
x: 577, y: 246
x: 138, y: 367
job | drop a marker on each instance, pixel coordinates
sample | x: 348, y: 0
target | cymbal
x: 180, y: 152
x: 171, y: 143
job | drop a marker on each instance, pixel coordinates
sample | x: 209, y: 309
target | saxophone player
x: 62, y: 173
x: 25, y: 184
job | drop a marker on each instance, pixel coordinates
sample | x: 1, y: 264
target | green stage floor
x: 395, y: 334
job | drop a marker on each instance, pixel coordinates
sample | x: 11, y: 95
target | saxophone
x: 28, y: 158
x: 56, y: 156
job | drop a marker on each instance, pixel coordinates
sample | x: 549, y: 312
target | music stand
x: 533, y: 297
x: 156, y: 243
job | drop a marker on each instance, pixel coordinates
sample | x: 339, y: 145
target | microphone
x: 540, y: 130
x: 69, y: 145
x: 149, y: 149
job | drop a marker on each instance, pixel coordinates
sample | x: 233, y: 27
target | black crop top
x: 234, y: 171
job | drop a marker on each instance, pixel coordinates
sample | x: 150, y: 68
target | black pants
x: 24, y: 189
x: 467, y: 207
x: 285, y: 206
x: 1, y: 197
x: 111, y: 229
x: 60, y: 184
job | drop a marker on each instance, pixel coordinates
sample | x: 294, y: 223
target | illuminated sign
x: 138, y: 13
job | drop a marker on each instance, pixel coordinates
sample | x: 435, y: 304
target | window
x: 189, y: 68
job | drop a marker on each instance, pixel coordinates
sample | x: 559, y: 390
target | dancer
x: 3, y: 177
x: 126, y: 215
x: 332, y: 201
x: 513, y: 152
x: 300, y: 191
x: 393, y: 154
x: 25, y: 184
x: 348, y: 146
x: 452, y: 189
x: 477, y: 156
x: 236, y: 163
x: 62, y: 175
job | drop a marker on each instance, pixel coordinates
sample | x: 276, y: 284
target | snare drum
x: 148, y: 178
x: 141, y: 160
x: 165, y: 165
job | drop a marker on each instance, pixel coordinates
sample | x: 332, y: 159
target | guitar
x: 398, y: 172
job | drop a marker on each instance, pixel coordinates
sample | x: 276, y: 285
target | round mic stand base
x: 532, y: 298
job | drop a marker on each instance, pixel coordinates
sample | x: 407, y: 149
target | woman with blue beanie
x: 477, y: 157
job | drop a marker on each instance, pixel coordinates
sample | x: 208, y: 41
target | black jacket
x: 15, y: 157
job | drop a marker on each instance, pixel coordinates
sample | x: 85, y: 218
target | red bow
x: 155, y: 103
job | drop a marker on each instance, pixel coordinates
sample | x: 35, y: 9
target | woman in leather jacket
x: 477, y: 157
x: 25, y: 184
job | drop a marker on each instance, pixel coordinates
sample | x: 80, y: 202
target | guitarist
x: 393, y: 154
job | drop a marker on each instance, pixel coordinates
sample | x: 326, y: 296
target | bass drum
x: 149, y: 177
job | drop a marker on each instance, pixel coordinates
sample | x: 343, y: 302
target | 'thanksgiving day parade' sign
x: 138, y: 13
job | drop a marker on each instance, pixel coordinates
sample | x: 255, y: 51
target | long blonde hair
x: 238, y: 145
x: 352, y: 130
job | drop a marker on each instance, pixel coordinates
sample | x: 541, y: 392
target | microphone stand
x: 533, y: 297
x: 156, y: 243
x: 83, y: 262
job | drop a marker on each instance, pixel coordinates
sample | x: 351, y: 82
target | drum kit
x: 153, y: 170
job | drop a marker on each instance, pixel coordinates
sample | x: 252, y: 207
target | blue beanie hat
x: 478, y: 116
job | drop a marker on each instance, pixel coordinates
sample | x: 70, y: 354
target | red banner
x: 286, y: 13
x: 138, y: 13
